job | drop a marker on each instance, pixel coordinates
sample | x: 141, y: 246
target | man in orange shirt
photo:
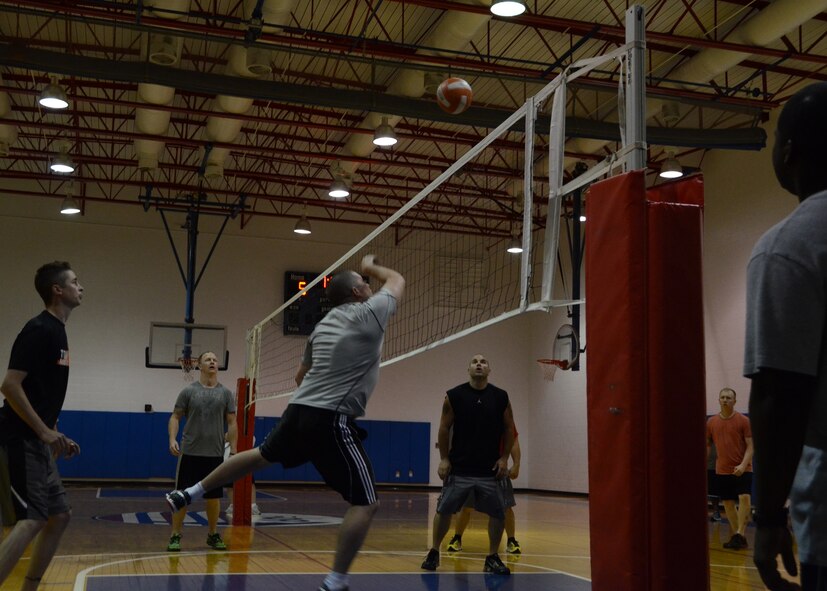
x: 730, y: 431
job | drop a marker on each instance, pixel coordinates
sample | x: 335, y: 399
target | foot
x: 716, y: 516
x: 432, y: 560
x: 254, y: 510
x: 512, y: 546
x: 229, y: 511
x: 215, y: 542
x: 736, y: 542
x: 494, y: 565
x: 455, y: 545
x: 177, y: 500
x: 174, y: 543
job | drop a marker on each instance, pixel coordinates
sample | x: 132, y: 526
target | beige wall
x: 125, y: 262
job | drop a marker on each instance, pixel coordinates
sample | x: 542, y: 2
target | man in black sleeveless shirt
x: 483, y: 434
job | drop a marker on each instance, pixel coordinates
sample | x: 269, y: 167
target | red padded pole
x: 242, y: 488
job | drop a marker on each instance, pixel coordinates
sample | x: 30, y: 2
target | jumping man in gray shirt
x: 336, y: 378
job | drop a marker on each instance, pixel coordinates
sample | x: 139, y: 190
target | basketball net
x: 187, y: 364
x: 550, y: 366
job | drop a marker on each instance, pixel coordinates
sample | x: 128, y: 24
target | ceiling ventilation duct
x: 165, y: 50
x: 246, y: 62
x: 453, y: 32
x: 776, y: 20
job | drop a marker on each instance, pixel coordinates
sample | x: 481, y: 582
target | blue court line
x: 358, y: 582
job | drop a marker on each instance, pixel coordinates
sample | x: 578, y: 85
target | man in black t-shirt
x: 31, y: 494
x: 483, y: 433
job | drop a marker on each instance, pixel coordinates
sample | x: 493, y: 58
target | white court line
x: 80, y: 578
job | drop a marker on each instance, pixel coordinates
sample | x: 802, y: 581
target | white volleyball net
x: 450, y: 241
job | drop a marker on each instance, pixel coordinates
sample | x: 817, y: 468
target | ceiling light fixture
x: 384, y: 135
x: 53, y: 96
x: 515, y: 246
x: 508, y: 7
x: 69, y: 206
x: 303, y: 225
x: 582, y: 218
x: 671, y: 168
x: 62, y: 163
x: 338, y: 189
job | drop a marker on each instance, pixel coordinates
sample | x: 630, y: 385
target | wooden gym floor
x: 117, y: 540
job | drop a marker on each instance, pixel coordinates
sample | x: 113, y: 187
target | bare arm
x: 446, y: 421
x: 12, y: 389
x: 779, y: 406
x: 232, y: 431
x: 501, y: 467
x: 172, y: 429
x: 303, y: 369
x: 391, y: 280
x: 748, y: 453
x: 516, y: 455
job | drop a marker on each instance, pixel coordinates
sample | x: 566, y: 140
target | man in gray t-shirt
x: 336, y: 378
x: 786, y: 354
x: 207, y: 406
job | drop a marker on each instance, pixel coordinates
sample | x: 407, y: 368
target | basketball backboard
x: 169, y: 342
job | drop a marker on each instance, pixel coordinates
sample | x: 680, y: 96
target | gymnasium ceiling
x: 321, y: 73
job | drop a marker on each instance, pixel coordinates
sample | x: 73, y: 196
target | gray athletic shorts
x: 30, y: 486
x: 508, y: 495
x: 488, y: 493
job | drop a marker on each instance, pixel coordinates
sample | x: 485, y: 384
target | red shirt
x: 730, y: 439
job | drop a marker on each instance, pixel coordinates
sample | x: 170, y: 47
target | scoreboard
x: 301, y: 316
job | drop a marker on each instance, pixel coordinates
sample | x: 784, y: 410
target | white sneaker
x: 255, y: 510
x: 229, y: 511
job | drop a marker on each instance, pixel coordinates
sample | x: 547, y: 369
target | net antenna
x: 463, y: 280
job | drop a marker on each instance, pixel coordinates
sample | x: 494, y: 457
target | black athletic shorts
x: 193, y: 469
x: 730, y: 487
x: 332, y: 442
x: 30, y: 486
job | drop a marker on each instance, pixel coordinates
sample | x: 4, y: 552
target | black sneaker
x: 512, y: 546
x: 494, y: 565
x: 455, y: 545
x: 432, y: 560
x: 736, y: 542
x: 177, y: 500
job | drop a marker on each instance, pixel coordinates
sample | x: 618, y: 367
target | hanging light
x: 384, y: 134
x: 62, y: 163
x: 69, y: 206
x: 303, y: 225
x: 53, y: 96
x: 508, y: 7
x: 671, y: 168
x: 515, y: 246
x: 338, y: 189
x: 582, y: 218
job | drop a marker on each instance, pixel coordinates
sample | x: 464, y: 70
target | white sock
x: 196, y: 491
x: 336, y: 581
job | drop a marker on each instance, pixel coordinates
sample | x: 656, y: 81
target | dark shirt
x: 478, y: 428
x: 42, y: 351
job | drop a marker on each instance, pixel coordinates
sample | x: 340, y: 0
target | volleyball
x: 454, y: 95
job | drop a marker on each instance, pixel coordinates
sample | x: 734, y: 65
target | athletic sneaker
x: 324, y: 587
x: 494, y: 565
x: 736, y: 542
x: 177, y: 500
x: 174, y: 543
x: 215, y: 542
x: 432, y: 560
x: 255, y: 510
x: 512, y: 546
x: 455, y: 545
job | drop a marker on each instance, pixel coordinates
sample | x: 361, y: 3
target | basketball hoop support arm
x: 192, y: 204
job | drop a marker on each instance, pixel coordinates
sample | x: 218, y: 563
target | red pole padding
x: 242, y: 488
x: 645, y: 387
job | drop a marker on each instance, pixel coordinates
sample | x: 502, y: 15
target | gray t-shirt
x: 786, y: 312
x: 206, y: 410
x: 343, y: 353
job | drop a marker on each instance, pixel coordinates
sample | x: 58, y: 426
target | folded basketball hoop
x: 550, y: 366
